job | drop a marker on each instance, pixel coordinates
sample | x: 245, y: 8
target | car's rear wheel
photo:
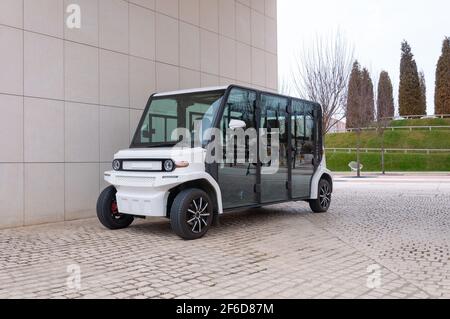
x: 191, y: 214
x: 108, y: 212
x: 323, y: 202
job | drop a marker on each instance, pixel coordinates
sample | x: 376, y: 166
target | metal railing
x: 387, y: 150
x: 394, y: 128
x: 401, y: 118
x: 415, y: 117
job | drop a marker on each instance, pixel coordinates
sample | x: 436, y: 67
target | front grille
x: 133, y: 180
x: 145, y: 166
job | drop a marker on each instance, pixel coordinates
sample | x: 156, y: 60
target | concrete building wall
x: 70, y: 98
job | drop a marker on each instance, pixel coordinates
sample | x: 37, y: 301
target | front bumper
x: 142, y: 203
x: 142, y: 194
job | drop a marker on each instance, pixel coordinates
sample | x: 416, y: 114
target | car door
x: 303, y: 127
x: 274, y: 174
x: 237, y: 177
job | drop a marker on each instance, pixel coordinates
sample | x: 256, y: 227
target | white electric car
x: 158, y: 177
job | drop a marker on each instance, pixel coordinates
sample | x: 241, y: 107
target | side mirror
x: 237, y: 124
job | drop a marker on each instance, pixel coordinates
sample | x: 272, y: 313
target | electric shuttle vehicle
x: 162, y: 176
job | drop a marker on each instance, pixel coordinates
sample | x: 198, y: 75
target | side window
x: 309, y: 131
x: 274, y: 116
x: 298, y: 120
x: 303, y: 128
x: 240, y: 106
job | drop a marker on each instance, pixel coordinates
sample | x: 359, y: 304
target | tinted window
x: 165, y: 114
x: 237, y: 178
x: 274, y: 116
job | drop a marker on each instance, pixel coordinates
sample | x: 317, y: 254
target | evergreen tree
x: 385, y: 100
x: 367, y: 98
x: 409, y: 91
x: 442, y: 94
x: 354, y: 97
x: 423, y: 94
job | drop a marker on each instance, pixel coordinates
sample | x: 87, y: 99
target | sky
x: 375, y: 28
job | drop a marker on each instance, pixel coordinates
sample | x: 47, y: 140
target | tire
x: 323, y: 202
x: 191, y: 214
x: 108, y: 213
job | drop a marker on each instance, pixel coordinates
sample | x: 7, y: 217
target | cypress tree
x: 409, y: 90
x: 354, y: 97
x: 442, y: 93
x: 423, y: 93
x: 367, y: 98
x: 385, y: 100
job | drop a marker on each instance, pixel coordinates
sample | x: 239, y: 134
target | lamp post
x: 358, y: 147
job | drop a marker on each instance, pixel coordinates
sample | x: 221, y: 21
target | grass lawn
x: 398, y: 139
x: 394, y: 162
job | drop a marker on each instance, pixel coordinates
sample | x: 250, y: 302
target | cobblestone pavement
x: 398, y: 229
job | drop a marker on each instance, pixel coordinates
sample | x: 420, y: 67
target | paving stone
x: 399, y: 231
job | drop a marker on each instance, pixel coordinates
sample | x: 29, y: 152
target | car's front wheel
x: 191, y: 214
x: 323, y: 202
x: 108, y: 211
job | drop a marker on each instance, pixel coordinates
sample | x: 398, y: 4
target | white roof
x: 214, y: 88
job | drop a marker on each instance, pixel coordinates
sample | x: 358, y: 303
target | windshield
x: 166, y: 114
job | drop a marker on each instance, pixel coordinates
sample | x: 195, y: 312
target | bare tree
x: 321, y: 72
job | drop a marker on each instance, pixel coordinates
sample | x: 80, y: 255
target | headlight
x: 116, y: 165
x: 169, y: 166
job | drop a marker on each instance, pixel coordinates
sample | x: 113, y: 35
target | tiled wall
x: 69, y: 98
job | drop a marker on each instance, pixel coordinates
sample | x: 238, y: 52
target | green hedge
x: 394, y: 162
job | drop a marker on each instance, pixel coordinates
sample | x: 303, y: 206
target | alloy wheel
x: 197, y: 217
x: 325, y: 196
